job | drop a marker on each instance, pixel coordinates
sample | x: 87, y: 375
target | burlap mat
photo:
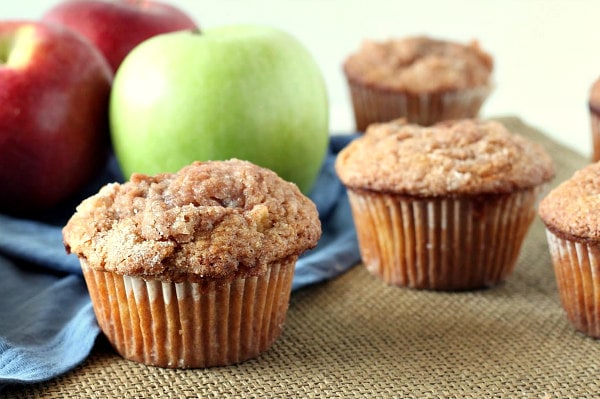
x: 355, y: 337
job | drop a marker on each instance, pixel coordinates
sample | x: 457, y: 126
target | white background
x: 547, y: 52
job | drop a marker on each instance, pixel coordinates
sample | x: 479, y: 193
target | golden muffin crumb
x: 218, y: 219
x: 454, y: 157
x: 419, y: 64
x: 572, y: 210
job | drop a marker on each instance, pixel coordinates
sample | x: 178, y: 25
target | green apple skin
x: 246, y: 92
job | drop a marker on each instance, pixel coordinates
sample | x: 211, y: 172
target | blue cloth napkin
x: 47, y: 323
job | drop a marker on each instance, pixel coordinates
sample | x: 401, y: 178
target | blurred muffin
x: 443, y: 207
x: 594, y: 108
x: 571, y: 213
x: 421, y: 79
x: 193, y: 269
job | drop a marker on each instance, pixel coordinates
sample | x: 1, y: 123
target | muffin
x: 594, y: 109
x: 193, y: 269
x: 422, y: 79
x: 571, y: 214
x: 444, y: 207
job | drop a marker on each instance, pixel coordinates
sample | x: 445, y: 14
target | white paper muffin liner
x: 577, y: 273
x: 191, y: 325
x: 372, y: 105
x: 452, y: 243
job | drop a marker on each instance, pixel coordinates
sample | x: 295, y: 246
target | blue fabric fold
x: 47, y: 324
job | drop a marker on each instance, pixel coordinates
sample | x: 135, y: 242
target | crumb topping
x: 215, y: 219
x: 419, y: 64
x: 453, y: 157
x: 573, y: 207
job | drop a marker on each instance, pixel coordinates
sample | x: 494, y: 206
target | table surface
x: 357, y: 337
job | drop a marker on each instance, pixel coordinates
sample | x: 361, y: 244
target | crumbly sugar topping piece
x: 572, y: 209
x: 218, y: 219
x: 419, y: 64
x: 462, y: 157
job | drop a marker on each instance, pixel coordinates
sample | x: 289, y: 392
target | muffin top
x: 419, y: 64
x: 594, y: 101
x: 462, y: 157
x: 572, y: 209
x: 217, y: 219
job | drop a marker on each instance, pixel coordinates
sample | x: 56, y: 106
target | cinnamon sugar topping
x: 419, y: 64
x: 214, y: 219
x: 453, y: 157
x: 573, y: 208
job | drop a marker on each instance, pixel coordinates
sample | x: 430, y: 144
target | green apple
x: 247, y: 92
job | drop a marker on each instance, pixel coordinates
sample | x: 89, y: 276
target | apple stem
x: 196, y: 31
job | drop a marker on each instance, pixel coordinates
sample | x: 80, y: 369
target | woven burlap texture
x: 355, y: 337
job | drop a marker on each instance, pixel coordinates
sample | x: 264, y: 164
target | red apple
x: 54, y: 91
x: 117, y: 26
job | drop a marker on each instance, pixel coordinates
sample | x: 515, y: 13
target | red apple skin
x: 117, y: 26
x: 53, y: 115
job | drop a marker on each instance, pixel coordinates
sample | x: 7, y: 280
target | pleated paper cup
x: 577, y: 273
x: 374, y: 105
x: 449, y: 243
x: 190, y: 324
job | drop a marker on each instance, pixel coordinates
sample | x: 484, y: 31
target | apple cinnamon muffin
x: 422, y: 79
x: 443, y: 207
x: 194, y: 268
x: 571, y: 214
x: 594, y: 110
